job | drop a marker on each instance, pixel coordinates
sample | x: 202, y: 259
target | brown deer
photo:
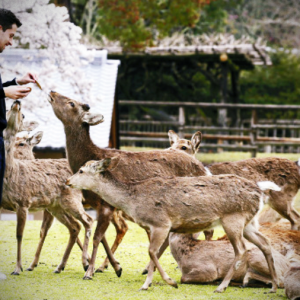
x: 23, y: 149
x: 283, y: 172
x: 183, y: 205
x: 24, y: 145
x: 134, y: 166
x: 39, y: 185
x: 203, y: 261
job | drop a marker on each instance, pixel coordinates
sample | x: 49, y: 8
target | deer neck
x: 114, y: 192
x: 79, y: 146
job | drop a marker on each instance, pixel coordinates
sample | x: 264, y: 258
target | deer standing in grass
x: 183, y: 205
x: 284, y: 172
x: 134, y: 166
x: 39, y: 185
x: 23, y: 149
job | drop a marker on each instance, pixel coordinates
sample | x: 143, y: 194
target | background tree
x: 46, y: 28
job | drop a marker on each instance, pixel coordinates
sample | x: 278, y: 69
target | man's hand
x: 16, y: 92
x: 27, y: 78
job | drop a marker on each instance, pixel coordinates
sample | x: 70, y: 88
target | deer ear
x: 92, y: 119
x: 101, y: 165
x: 196, y: 140
x: 173, y: 137
x: 36, y: 138
x: 29, y: 126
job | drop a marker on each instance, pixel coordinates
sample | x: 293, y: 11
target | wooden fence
x: 252, y: 134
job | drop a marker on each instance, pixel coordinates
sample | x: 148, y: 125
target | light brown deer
x: 39, y: 185
x: 183, y: 205
x: 134, y: 166
x: 203, y: 261
x: 292, y: 281
x: 23, y: 149
x: 283, y: 172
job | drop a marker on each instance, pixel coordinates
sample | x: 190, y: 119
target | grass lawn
x: 42, y: 283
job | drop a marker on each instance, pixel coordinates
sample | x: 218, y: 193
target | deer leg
x: 78, y: 212
x: 158, y: 236
x: 283, y: 204
x: 104, y: 217
x: 233, y: 226
x: 161, y: 250
x: 21, y: 221
x: 46, y: 224
x: 121, y: 229
x: 208, y: 234
x: 74, y: 229
x: 252, y: 275
x: 255, y: 237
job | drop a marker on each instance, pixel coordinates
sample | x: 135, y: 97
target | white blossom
x: 47, y: 29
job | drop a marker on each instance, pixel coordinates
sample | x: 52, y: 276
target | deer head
x: 71, y: 112
x: 190, y: 147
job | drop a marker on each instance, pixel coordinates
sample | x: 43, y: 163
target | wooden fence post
x: 181, y: 120
x: 253, y: 132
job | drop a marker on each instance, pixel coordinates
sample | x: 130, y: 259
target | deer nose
x: 52, y: 91
x: 18, y: 102
x: 86, y: 107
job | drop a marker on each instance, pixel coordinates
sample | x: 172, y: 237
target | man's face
x: 6, y: 37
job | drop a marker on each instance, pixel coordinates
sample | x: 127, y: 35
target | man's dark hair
x: 7, y: 19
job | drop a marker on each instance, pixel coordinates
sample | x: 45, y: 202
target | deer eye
x: 21, y: 144
x: 183, y: 148
x: 80, y: 171
x: 72, y: 104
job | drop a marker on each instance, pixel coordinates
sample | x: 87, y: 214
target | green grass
x: 42, y: 283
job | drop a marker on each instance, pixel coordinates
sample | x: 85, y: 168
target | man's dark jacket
x: 3, y: 121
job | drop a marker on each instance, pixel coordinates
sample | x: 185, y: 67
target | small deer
x: 183, y: 205
x: 24, y: 145
x: 190, y: 147
x: 39, y: 185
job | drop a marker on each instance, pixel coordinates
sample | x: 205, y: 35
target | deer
x: 203, y: 261
x: 183, y: 205
x: 39, y: 185
x: 23, y: 149
x: 77, y: 118
x: 292, y: 281
x: 284, y: 172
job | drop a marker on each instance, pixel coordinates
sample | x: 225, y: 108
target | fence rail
x: 245, y: 138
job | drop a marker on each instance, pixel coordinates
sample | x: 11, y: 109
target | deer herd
x: 169, y: 193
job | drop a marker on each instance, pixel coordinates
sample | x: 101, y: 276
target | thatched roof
x: 243, y: 51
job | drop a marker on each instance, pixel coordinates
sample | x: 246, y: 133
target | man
x: 11, y: 89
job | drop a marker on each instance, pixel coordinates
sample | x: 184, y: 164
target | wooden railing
x: 249, y: 138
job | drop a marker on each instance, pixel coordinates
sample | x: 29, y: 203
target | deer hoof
x: 100, y: 270
x: 15, y: 273
x: 87, y: 278
x: 145, y: 272
x: 86, y: 268
x: 29, y: 269
x: 119, y: 272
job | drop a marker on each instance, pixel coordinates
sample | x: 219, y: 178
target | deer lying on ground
x: 203, y: 261
x: 183, y: 205
x: 39, y: 185
x: 292, y: 281
x: 284, y: 172
x: 134, y: 166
